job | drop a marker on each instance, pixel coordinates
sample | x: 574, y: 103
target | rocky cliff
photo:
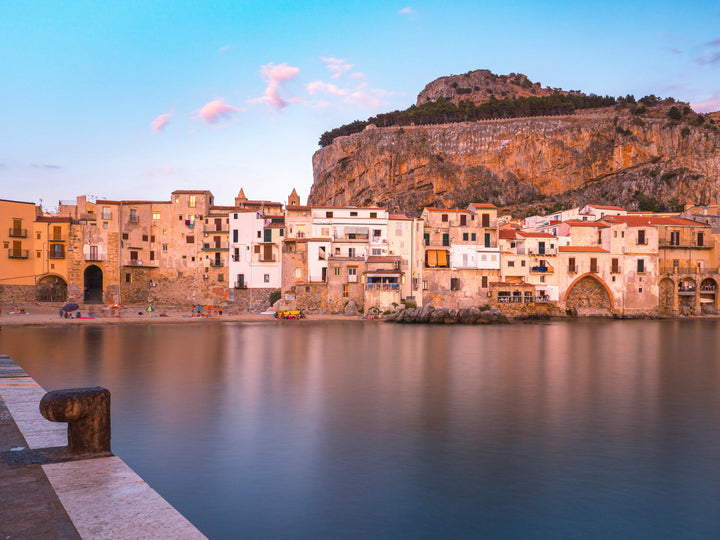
x: 609, y: 156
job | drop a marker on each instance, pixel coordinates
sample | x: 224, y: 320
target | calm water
x: 589, y: 429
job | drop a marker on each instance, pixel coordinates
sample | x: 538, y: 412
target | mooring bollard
x: 87, y: 412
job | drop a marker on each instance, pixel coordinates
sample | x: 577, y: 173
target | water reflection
x: 586, y: 429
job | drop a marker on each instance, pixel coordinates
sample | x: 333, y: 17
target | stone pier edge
x: 103, y: 497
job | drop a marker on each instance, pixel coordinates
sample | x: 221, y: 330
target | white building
x: 255, y: 249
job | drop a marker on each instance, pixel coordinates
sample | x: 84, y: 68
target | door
x: 541, y: 248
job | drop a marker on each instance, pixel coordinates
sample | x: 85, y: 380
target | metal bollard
x: 87, y: 412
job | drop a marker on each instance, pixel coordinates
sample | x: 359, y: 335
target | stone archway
x: 93, y: 285
x: 667, y: 296
x: 588, y: 295
x: 708, y: 296
x: 52, y: 288
x: 687, y: 296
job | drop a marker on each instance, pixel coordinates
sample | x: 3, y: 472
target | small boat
x: 289, y: 314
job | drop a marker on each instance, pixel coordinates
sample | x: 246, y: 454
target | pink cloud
x: 216, y: 110
x: 708, y: 106
x: 316, y: 87
x: 356, y: 75
x: 276, y: 75
x: 407, y: 11
x: 160, y: 122
x: 161, y: 171
x: 338, y: 66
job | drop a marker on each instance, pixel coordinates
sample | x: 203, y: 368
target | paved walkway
x: 29, y: 507
x: 90, y: 498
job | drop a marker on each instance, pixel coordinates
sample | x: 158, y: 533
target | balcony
x: 682, y: 243
x: 209, y: 230
x: 213, y: 247
x: 542, y: 269
x: 686, y: 270
x: 17, y: 233
x: 58, y: 238
x: 18, y: 253
x: 351, y: 237
x: 217, y: 264
x: 268, y: 260
x: 382, y: 286
x: 97, y: 257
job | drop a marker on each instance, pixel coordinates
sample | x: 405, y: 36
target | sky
x: 133, y: 99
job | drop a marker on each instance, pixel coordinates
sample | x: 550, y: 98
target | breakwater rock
x: 431, y: 315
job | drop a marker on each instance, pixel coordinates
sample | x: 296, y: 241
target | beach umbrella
x: 115, y: 306
x: 72, y: 306
x: 150, y: 309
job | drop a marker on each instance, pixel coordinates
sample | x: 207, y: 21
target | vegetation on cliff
x: 444, y: 111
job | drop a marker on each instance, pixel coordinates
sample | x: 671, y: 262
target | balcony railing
x: 58, y: 238
x: 18, y: 253
x: 217, y: 263
x: 213, y: 247
x: 542, y: 269
x: 56, y: 254
x: 686, y: 270
x: 665, y: 243
x: 383, y: 286
x: 210, y: 230
x: 134, y: 262
x: 98, y: 257
x: 18, y: 233
x: 268, y: 260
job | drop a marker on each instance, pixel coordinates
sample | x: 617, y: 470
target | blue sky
x: 131, y: 100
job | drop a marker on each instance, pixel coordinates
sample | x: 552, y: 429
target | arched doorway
x: 589, y: 296
x: 52, y: 289
x: 708, y: 296
x: 667, y: 295
x: 93, y: 284
x: 687, y: 294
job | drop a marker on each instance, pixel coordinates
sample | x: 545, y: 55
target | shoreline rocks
x: 428, y: 314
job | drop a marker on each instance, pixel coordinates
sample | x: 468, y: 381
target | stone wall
x: 255, y: 300
x: 530, y: 310
x: 588, y: 297
x: 10, y: 294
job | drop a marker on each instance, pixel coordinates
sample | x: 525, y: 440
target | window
x: 454, y: 284
x: 337, y: 271
x: 473, y: 237
x: 674, y: 238
x: 599, y: 239
x: 352, y: 275
x: 220, y: 277
x: 328, y: 214
x: 593, y: 265
x: 144, y: 237
x: 466, y: 236
x: 125, y: 236
x: 257, y: 249
x: 641, y: 266
x: 353, y: 214
x: 282, y: 232
x: 615, y: 266
x: 105, y: 224
x: 191, y: 201
x: 522, y: 263
x: 266, y: 278
x: 156, y: 215
x: 377, y: 252
x: 487, y: 240
x: 486, y: 220
x: 128, y: 278
x: 267, y: 235
x: 259, y: 234
x: 463, y: 220
x: 373, y: 215
x: 106, y: 213
x: 133, y: 215
x: 426, y: 236
x: 444, y: 218
x: 298, y: 273
x: 425, y: 286
x: 571, y: 265
x: 235, y: 235
x: 641, y: 238
x: 346, y: 290
x: 351, y: 252
x: 511, y: 264
x: 164, y: 247
x: 484, y: 282
x: 152, y: 255
x: 542, y: 279
x: 700, y: 239
x: 37, y: 236
x: 189, y: 239
x: 446, y: 239
x: 133, y: 255
x: 152, y: 239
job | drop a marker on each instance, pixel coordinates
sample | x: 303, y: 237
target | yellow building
x: 18, y: 260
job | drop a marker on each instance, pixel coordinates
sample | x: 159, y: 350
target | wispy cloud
x: 708, y: 59
x: 276, y: 75
x: 224, y: 48
x: 407, y: 11
x: 46, y: 166
x: 319, y: 87
x: 215, y: 111
x: 356, y: 75
x: 714, y: 43
x: 338, y: 66
x: 158, y: 125
x: 161, y: 171
x: 712, y: 104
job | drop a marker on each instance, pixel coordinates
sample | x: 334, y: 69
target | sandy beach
x: 45, y: 314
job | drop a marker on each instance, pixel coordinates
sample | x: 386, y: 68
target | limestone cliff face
x: 601, y: 157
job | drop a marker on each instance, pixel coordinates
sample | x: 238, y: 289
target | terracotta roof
x: 652, y: 221
x: 131, y: 202
x: 290, y: 208
x: 483, y: 205
x: 532, y: 234
x: 347, y: 208
x: 601, y: 207
x: 275, y: 226
x: 385, y: 259
x: 399, y: 216
x: 266, y: 203
x: 507, y: 234
x: 581, y: 223
x: 190, y: 191
x: 588, y: 249
x: 457, y: 210
x: 53, y: 219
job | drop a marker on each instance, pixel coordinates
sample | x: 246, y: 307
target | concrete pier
x: 88, y: 498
